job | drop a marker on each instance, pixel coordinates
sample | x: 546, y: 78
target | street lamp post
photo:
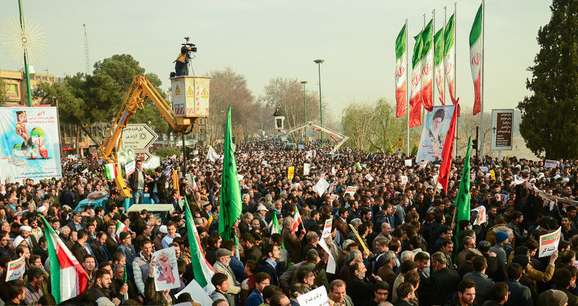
x: 319, y: 62
x: 304, y: 110
x: 24, y: 43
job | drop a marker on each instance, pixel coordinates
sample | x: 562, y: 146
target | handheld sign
x: 549, y: 243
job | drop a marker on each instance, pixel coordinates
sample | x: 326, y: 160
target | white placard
x: 165, y: 269
x: 549, y: 243
x: 551, y: 164
x: 317, y: 297
x: 212, y: 154
x: 369, y: 177
x: 306, y: 169
x: 351, y: 190
x: 408, y: 162
x: 482, y: 216
x: 321, y: 187
x: 15, y: 269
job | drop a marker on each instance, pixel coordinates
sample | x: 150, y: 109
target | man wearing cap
x: 501, y: 240
x: 222, y: 266
x: 261, y: 214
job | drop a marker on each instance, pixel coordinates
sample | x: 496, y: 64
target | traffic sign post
x: 138, y: 137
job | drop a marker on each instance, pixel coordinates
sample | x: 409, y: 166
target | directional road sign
x: 138, y: 136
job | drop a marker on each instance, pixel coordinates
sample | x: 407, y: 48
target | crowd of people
x: 394, y: 239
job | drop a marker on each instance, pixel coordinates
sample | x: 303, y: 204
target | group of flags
x: 433, y: 66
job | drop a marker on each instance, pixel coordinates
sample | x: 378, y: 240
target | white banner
x: 326, y: 234
x: 165, y: 269
x: 29, y: 143
x: 551, y: 164
x: 351, y: 190
x: 15, y: 269
x: 433, y: 134
x: 549, y: 243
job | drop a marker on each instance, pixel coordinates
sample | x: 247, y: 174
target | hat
x: 123, y: 235
x: 17, y: 241
x: 163, y: 229
x: 25, y: 228
x: 439, y: 114
x: 501, y: 236
x: 553, y: 297
x: 223, y: 252
x: 262, y: 207
x: 311, y: 254
x: 347, y: 243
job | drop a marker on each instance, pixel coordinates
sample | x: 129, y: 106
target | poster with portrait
x: 433, y: 134
x: 165, y: 269
x: 15, y: 269
x: 29, y: 143
x: 549, y: 243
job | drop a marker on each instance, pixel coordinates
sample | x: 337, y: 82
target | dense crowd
x: 394, y: 237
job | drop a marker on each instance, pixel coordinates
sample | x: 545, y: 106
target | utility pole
x: 24, y: 41
x: 86, y: 54
x: 304, y: 110
x: 319, y: 62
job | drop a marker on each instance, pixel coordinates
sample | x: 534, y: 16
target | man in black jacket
x: 442, y: 281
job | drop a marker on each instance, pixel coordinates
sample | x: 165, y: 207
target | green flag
x: 230, y: 196
x: 463, y: 198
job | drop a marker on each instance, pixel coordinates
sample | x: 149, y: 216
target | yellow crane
x: 140, y: 89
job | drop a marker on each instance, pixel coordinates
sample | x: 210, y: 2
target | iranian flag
x: 67, y: 277
x: 119, y: 228
x: 296, y: 221
x: 449, y: 56
x: 476, y: 47
x: 400, y: 72
x: 439, y: 64
x: 200, y: 287
x: 110, y: 171
x: 275, y: 226
x: 427, y: 63
x: 415, y: 80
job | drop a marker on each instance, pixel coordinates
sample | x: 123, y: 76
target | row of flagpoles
x: 433, y: 68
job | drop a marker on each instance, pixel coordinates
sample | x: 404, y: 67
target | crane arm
x: 140, y: 89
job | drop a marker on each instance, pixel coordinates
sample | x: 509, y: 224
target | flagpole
x: 455, y: 72
x: 407, y: 81
x: 433, y: 21
x: 421, y: 80
x: 482, y: 83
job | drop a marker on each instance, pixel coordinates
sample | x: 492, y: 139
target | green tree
x: 287, y: 95
x: 230, y: 88
x: 550, y: 115
x: 375, y: 128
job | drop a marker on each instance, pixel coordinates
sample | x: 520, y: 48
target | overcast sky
x: 264, y: 39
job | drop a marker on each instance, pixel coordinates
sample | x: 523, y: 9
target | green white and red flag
x: 427, y: 65
x: 415, y: 81
x: 119, y: 228
x: 449, y: 56
x: 200, y: 287
x: 476, y: 49
x: 439, y: 64
x: 401, y: 72
x: 67, y: 277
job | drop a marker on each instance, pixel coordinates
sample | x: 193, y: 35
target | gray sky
x: 263, y: 39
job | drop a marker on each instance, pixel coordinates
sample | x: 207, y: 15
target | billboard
x: 29, y: 143
x: 433, y: 134
x: 502, y: 123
